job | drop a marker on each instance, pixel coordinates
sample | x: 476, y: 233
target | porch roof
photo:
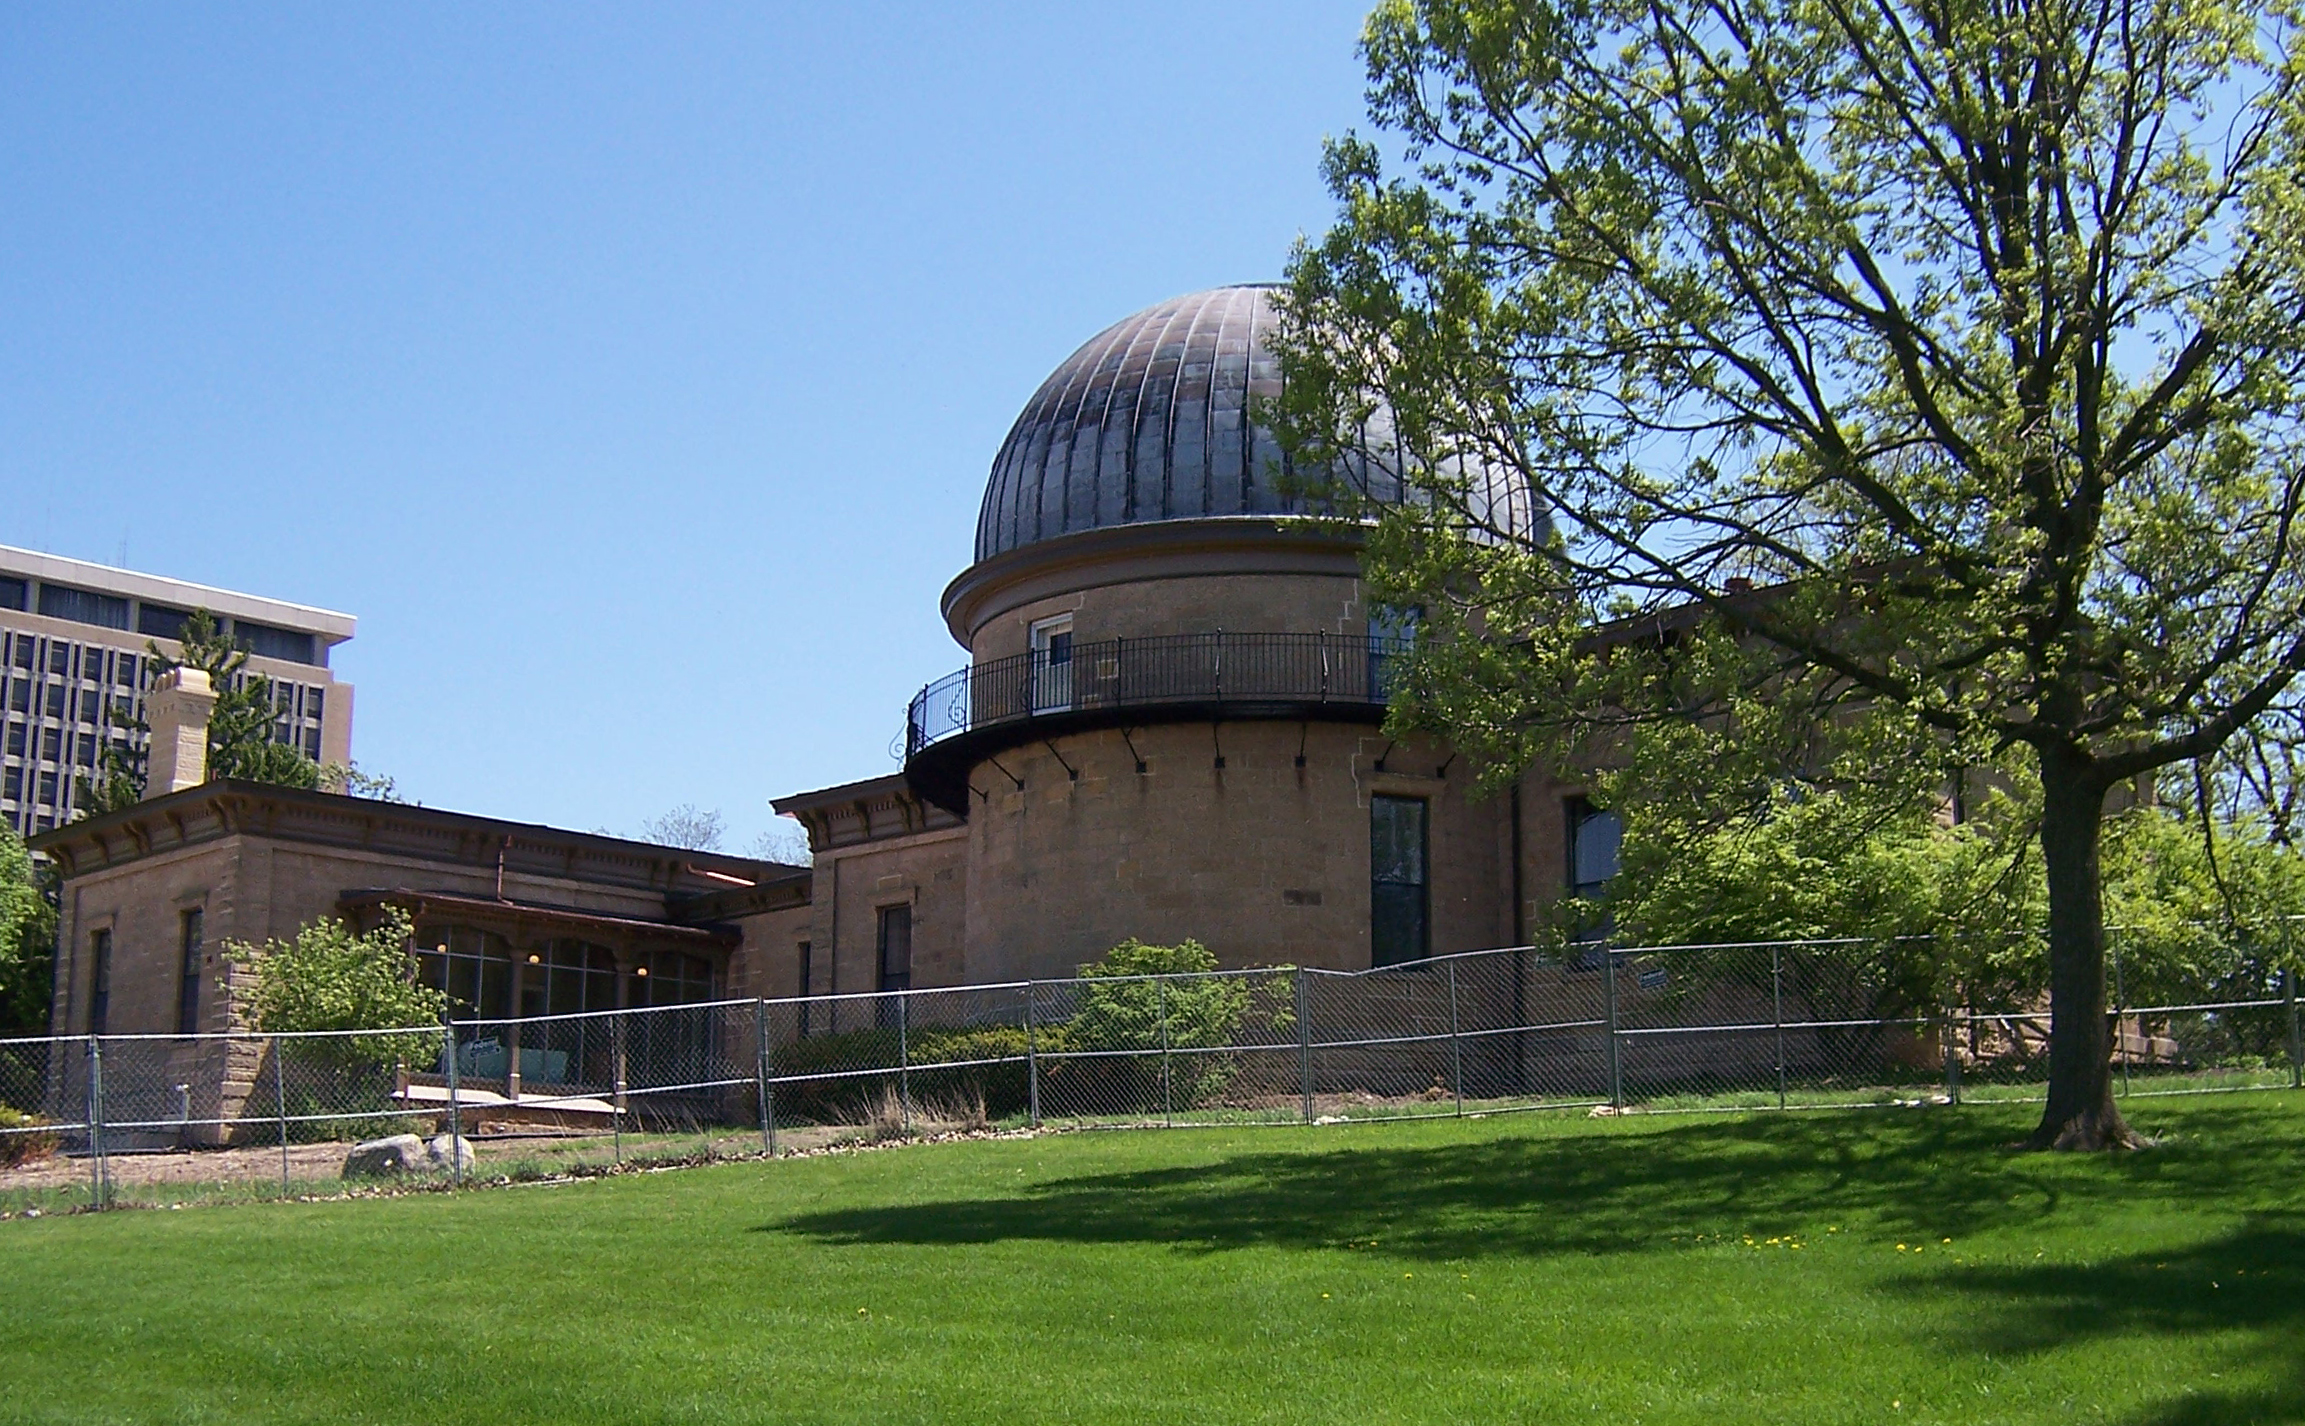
x: 562, y: 920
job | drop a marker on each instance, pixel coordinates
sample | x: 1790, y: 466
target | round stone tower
x: 1169, y: 724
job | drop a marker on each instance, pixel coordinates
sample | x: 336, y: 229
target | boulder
x: 447, y: 1152
x: 387, y: 1158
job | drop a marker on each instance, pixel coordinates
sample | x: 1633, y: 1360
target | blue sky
x: 632, y: 373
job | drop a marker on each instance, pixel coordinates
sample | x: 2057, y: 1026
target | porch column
x: 520, y: 955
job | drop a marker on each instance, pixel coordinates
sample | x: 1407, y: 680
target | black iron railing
x: 1195, y: 669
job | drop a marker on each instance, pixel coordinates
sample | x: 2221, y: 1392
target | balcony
x: 962, y: 717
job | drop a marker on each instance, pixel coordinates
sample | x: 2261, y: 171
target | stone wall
x: 1263, y: 861
x: 1237, y: 603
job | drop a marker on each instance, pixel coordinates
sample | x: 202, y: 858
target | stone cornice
x: 229, y: 807
x: 1159, y: 549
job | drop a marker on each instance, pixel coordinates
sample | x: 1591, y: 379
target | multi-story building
x: 75, y: 644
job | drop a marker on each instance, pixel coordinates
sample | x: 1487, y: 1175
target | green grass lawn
x: 1869, y: 1266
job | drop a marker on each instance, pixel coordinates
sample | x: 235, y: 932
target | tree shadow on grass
x: 1605, y: 1192
x: 2247, y: 1285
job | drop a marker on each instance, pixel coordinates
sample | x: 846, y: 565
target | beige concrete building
x: 74, y: 645
x: 1170, y: 722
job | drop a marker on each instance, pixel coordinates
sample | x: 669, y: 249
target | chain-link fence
x: 96, y: 1120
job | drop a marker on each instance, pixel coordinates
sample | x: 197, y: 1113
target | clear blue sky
x: 632, y: 373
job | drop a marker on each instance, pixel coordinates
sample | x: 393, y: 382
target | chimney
x: 178, y: 708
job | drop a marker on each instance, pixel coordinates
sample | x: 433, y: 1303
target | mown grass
x: 1763, y: 1268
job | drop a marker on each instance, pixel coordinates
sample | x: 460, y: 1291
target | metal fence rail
x: 1646, y: 1029
x: 1148, y: 672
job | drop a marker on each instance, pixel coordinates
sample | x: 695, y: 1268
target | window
x: 473, y: 967
x: 1595, y: 835
x: 805, y: 956
x: 896, y: 948
x: 1399, y: 862
x: 271, y: 643
x: 13, y: 592
x: 1392, y: 633
x: 160, y: 621
x: 1052, y: 664
x: 188, y: 975
x: 83, y: 606
x: 100, y: 985
x: 670, y: 978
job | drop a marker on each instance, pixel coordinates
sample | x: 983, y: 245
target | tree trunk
x: 2081, y: 1113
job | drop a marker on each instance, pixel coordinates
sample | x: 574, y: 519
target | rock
x: 387, y: 1158
x: 450, y: 1151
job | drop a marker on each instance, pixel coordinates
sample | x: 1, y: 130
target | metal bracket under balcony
x: 957, y: 721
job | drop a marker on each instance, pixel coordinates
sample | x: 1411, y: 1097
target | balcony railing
x: 1218, y: 670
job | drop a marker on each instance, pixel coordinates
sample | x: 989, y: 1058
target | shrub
x: 22, y: 1140
x: 1122, y: 1008
x: 331, y: 977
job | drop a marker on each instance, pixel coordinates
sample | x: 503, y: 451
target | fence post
x: 1777, y: 1000
x: 1304, y: 1046
x: 280, y: 1105
x: 621, y: 1084
x: 1456, y: 1044
x: 760, y: 1074
x: 2120, y: 1026
x: 98, y: 1192
x: 1031, y: 1055
x: 904, y: 1062
x: 1616, y: 1063
x: 1950, y: 1038
x: 2296, y: 1038
x: 455, y: 1106
x: 1161, y: 986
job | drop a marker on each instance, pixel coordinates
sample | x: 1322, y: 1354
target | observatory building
x: 1169, y: 724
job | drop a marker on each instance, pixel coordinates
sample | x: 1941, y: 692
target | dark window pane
x: 13, y: 592
x: 896, y: 948
x: 1399, y: 865
x: 83, y: 606
x: 100, y: 990
x: 273, y: 643
x: 160, y: 621
x: 188, y: 985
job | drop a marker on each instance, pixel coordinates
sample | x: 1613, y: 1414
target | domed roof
x: 1149, y: 421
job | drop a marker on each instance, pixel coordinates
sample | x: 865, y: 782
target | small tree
x: 332, y: 978
x: 240, y: 742
x: 687, y: 828
x: 27, y: 935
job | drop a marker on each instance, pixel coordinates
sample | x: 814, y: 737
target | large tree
x: 1939, y: 359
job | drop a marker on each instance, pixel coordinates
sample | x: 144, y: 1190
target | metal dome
x: 1149, y: 421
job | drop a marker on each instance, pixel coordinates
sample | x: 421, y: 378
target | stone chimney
x: 178, y: 709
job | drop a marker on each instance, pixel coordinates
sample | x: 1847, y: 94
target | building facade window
x: 1392, y: 633
x: 1052, y: 664
x: 895, y: 946
x: 1595, y: 838
x: 473, y: 968
x: 190, y: 933
x: 83, y: 606
x: 100, y: 980
x: 1400, y: 904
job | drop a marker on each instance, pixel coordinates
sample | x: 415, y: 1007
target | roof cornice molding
x: 1159, y: 549
x: 228, y: 807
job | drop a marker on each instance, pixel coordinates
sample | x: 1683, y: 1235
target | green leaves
x: 330, y: 977
x: 240, y: 742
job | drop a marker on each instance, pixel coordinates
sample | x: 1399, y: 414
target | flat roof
x: 332, y: 627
